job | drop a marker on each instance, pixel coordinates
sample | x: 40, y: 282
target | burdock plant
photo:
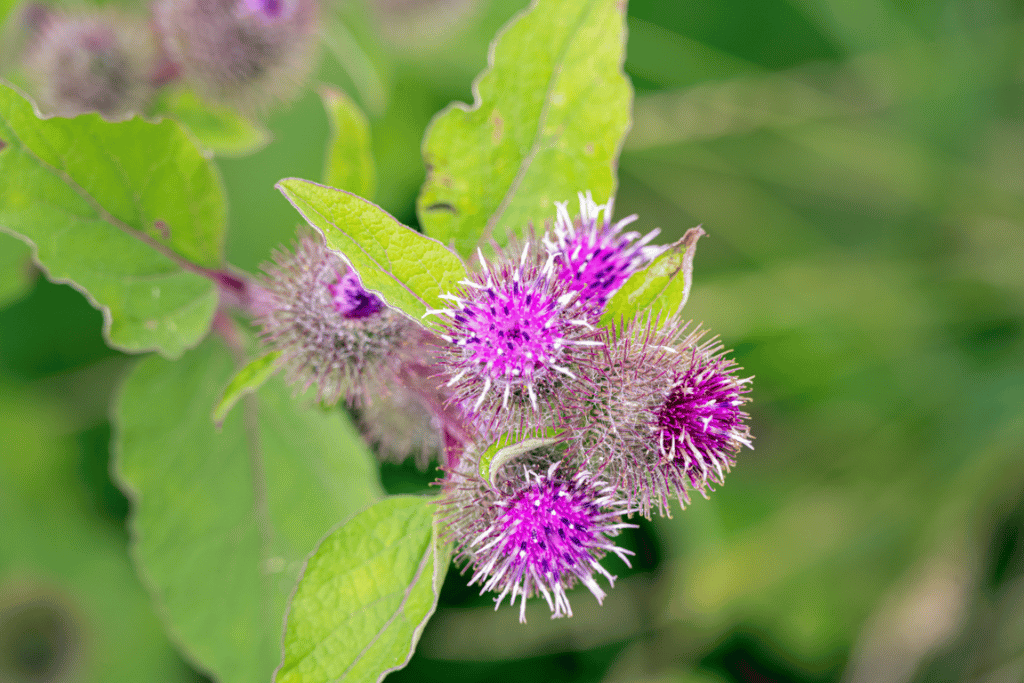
x: 537, y: 352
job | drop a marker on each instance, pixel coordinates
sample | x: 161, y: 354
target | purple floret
x: 351, y: 300
x: 701, y: 425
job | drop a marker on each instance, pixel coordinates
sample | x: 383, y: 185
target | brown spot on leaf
x: 162, y: 228
x: 443, y: 206
x: 2, y: 145
x: 589, y: 149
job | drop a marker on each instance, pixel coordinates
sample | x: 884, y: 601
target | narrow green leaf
x: 407, y: 269
x: 507, y: 448
x: 548, y: 120
x: 219, y: 129
x: 223, y: 519
x: 130, y: 213
x: 246, y: 381
x: 662, y: 287
x: 15, y: 268
x: 349, y: 161
x: 365, y: 595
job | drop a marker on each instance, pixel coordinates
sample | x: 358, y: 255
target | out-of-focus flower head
x: 247, y: 53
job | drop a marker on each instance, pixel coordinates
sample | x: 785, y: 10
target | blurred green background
x: 859, y: 168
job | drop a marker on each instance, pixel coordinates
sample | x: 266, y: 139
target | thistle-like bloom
x: 330, y: 330
x: 701, y: 425
x: 247, y: 53
x: 98, y: 63
x: 514, y: 333
x: 592, y: 255
x: 661, y: 414
x: 540, y: 534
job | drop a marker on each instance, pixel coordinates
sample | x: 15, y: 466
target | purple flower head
x: 639, y: 413
x: 320, y: 320
x: 351, y: 300
x: 701, y: 424
x: 592, y: 255
x: 540, y: 535
x: 513, y: 333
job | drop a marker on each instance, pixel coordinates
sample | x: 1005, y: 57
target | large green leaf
x: 222, y: 520
x: 349, y: 160
x: 220, y: 129
x: 547, y: 122
x: 661, y: 288
x: 130, y: 213
x: 409, y: 270
x: 365, y: 595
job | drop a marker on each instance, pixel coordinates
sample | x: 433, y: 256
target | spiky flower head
x: 536, y: 534
x: 514, y: 334
x: 662, y: 413
x: 318, y: 316
x: 91, y: 63
x: 247, y: 53
x: 592, y: 255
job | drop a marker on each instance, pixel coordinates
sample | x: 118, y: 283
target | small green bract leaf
x: 502, y: 451
x: 222, y: 520
x: 246, y: 381
x: 365, y: 595
x: 407, y: 269
x: 130, y: 213
x: 219, y: 129
x: 547, y: 122
x: 349, y: 161
x: 661, y: 288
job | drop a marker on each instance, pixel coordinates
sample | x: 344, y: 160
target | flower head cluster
x: 552, y: 426
x: 537, y: 534
x: 330, y: 330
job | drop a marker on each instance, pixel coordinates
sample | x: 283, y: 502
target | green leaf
x: 349, y: 161
x: 547, y: 122
x: 365, y: 595
x: 661, y: 288
x: 408, y: 269
x: 246, y: 381
x: 222, y: 520
x: 219, y: 129
x: 15, y: 269
x: 129, y: 213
